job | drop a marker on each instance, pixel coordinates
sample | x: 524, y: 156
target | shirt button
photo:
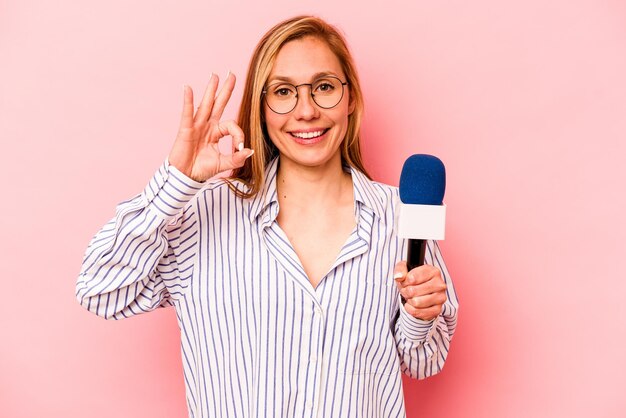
x: 309, y: 406
x: 313, y: 359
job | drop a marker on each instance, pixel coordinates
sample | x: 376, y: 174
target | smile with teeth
x: 309, y: 135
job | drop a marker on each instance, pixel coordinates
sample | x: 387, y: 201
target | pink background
x: 525, y: 103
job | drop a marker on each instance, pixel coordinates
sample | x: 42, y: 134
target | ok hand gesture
x: 196, y: 152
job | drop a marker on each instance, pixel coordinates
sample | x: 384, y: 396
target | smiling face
x: 308, y: 135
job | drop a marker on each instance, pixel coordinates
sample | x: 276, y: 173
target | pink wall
x: 525, y: 103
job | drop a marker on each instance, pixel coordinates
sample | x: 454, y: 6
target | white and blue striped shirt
x: 257, y: 339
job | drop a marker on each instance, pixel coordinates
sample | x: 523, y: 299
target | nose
x: 305, y: 109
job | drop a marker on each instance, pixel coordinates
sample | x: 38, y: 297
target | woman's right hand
x: 196, y: 150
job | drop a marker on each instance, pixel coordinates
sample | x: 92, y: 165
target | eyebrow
x: 291, y: 80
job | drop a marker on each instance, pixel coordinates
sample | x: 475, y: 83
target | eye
x: 283, y: 91
x: 325, y: 86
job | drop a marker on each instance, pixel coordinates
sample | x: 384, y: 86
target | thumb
x: 239, y: 158
x: 400, y: 271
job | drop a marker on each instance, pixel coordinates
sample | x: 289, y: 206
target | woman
x: 282, y: 274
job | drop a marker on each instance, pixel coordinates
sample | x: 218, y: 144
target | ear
x: 351, y: 105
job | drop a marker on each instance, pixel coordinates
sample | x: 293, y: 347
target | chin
x: 312, y: 157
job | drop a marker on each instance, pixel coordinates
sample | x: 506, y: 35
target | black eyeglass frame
x: 343, y: 83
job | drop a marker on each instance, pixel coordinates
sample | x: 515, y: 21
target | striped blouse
x: 257, y: 339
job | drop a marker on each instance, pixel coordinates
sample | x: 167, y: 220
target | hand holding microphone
x: 423, y: 288
x: 422, y: 217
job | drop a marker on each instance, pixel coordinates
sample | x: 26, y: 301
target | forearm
x: 423, y: 345
x: 120, y: 269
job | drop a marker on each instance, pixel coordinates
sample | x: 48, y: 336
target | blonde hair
x: 250, y: 112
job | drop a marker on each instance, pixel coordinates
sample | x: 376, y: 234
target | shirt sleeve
x: 423, y: 345
x: 142, y: 258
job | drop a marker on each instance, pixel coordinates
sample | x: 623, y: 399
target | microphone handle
x: 416, y: 253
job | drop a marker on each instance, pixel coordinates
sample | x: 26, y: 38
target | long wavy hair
x: 251, y: 119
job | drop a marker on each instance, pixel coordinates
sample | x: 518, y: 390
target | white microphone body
x: 421, y: 221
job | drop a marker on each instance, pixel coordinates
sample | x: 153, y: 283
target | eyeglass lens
x: 282, y: 97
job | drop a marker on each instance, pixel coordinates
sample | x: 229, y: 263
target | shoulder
x: 389, y: 197
x: 385, y: 192
x: 221, y: 190
x: 381, y: 198
x: 216, y: 197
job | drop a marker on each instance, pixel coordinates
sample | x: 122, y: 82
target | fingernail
x: 227, y: 74
x: 251, y: 152
x: 398, y: 275
x: 240, y: 146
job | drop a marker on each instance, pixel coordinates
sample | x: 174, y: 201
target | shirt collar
x: 365, y: 192
x: 266, y: 196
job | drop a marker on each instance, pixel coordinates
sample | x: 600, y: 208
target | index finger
x: 421, y: 274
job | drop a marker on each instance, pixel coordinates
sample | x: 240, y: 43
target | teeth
x: 307, y: 135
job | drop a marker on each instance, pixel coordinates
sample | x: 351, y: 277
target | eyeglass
x: 282, y: 97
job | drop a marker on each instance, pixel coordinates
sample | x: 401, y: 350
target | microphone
x: 422, y: 214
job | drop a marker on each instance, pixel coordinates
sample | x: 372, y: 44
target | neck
x: 313, y: 187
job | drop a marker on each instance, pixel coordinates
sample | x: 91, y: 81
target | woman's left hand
x: 423, y: 288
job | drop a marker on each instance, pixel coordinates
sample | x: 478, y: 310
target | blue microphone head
x: 423, y: 180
